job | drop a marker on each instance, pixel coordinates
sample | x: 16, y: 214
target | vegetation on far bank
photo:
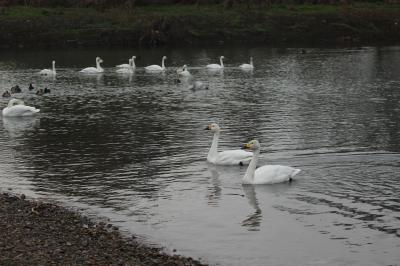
x: 154, y: 25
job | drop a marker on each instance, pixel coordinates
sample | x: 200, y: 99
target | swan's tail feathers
x: 34, y: 110
x: 295, y: 172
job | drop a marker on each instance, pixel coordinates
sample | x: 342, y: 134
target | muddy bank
x: 37, y: 233
x: 23, y: 27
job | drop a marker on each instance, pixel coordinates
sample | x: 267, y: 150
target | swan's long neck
x: 54, y: 67
x: 221, y: 61
x: 249, y: 176
x: 98, y: 65
x: 214, y: 147
x: 133, y: 65
x: 162, y: 63
x: 251, y: 61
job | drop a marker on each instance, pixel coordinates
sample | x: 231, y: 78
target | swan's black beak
x: 245, y: 146
x: 207, y: 128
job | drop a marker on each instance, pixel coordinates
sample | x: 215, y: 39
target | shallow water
x: 132, y: 148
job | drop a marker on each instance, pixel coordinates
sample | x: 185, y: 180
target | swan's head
x: 252, y: 145
x: 53, y: 62
x: 222, y: 57
x: 13, y: 102
x: 133, y: 57
x: 184, y: 67
x: 213, y: 127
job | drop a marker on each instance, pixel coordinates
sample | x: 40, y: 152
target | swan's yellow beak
x: 246, y: 146
x: 208, y: 127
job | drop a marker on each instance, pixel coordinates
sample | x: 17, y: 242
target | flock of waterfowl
x: 268, y: 174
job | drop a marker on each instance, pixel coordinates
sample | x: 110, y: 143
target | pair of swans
x: 17, y: 107
x: 221, y: 65
x: 130, y: 65
x: 267, y: 174
x: 127, y: 70
x: 88, y: 70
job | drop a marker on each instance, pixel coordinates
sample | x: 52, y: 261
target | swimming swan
x: 94, y: 70
x: 216, y: 66
x: 247, y: 66
x: 184, y: 71
x: 157, y: 67
x: 49, y: 72
x: 230, y: 157
x: 267, y: 174
x: 131, y: 64
x: 126, y: 70
x: 17, y: 107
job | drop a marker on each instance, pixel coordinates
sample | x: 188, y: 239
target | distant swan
x: 17, y: 107
x: 49, y: 72
x: 267, y: 174
x: 94, y: 70
x: 184, y: 71
x: 131, y: 64
x: 126, y: 70
x: 216, y: 66
x: 157, y: 67
x: 247, y: 66
x: 230, y: 157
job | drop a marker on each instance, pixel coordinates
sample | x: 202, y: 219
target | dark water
x: 133, y: 148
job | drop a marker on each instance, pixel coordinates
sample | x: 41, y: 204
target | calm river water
x: 132, y: 148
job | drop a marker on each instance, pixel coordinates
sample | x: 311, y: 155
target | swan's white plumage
x: 131, y: 63
x: 184, y: 71
x: 247, y: 66
x: 17, y: 107
x: 49, y: 72
x: 94, y: 70
x: 267, y: 174
x: 217, y: 66
x: 229, y: 157
x: 157, y: 68
x: 127, y: 70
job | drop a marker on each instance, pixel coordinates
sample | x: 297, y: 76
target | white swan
x: 131, y: 64
x: 184, y: 71
x: 17, y: 107
x: 230, y: 157
x: 127, y: 70
x: 94, y: 70
x: 216, y: 66
x: 247, y: 66
x: 49, y: 72
x: 157, y: 67
x: 267, y: 174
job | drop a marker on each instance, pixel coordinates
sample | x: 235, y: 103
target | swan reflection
x: 214, y: 191
x: 253, y: 220
x: 17, y: 126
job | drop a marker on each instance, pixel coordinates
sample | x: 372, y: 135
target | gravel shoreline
x: 38, y: 233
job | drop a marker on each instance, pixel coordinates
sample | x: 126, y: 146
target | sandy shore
x: 38, y: 233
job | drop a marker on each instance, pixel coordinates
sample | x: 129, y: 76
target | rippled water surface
x: 132, y: 148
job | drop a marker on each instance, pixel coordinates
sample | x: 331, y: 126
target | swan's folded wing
x: 21, y: 110
x: 234, y: 157
x: 271, y: 174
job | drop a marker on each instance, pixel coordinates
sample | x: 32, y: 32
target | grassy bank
x: 357, y: 24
